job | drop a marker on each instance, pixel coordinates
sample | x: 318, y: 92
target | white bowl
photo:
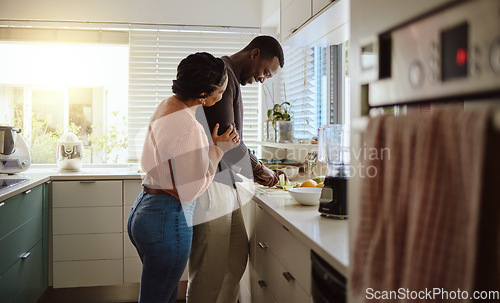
x: 306, y: 195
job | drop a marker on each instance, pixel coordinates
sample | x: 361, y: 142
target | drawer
x: 34, y: 288
x: 19, y: 209
x: 17, y: 277
x: 132, y: 270
x: 291, y: 252
x: 289, y: 290
x: 259, y: 288
x: 87, y: 273
x: 20, y: 241
x: 129, y: 250
x: 86, y: 193
x: 131, y: 189
x: 126, y: 212
x: 87, y: 247
x: 267, y: 268
x: 295, y: 257
x: 85, y: 220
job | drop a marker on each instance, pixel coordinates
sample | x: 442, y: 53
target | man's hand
x: 265, y: 176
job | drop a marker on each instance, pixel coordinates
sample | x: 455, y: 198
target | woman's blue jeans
x: 160, y: 227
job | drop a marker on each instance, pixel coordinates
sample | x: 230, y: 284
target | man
x: 220, y: 245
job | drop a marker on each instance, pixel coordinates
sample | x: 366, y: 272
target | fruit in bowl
x: 306, y: 195
x: 309, y: 183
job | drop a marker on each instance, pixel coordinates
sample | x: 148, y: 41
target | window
x: 154, y: 56
x: 49, y: 88
x: 101, y: 84
x: 316, y: 84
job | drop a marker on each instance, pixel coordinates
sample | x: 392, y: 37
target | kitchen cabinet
x: 280, y: 265
x: 132, y: 265
x: 23, y: 245
x: 87, y: 234
x: 314, y: 22
x: 293, y: 15
x: 318, y: 5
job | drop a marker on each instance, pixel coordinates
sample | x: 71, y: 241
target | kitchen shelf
x: 308, y: 146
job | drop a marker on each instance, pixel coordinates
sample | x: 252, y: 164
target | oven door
x: 328, y: 285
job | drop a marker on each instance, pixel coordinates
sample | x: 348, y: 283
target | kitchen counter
x: 326, y: 236
x: 38, y: 176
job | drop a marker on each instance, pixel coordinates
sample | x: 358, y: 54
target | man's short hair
x: 269, y: 48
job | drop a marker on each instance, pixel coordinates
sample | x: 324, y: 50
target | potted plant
x: 279, y: 120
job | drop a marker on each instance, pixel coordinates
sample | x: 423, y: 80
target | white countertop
x: 326, y: 236
x: 38, y: 176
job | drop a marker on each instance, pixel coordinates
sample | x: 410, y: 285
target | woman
x: 179, y: 164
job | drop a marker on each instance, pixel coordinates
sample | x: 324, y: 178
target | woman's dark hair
x: 199, y: 75
x: 269, y: 48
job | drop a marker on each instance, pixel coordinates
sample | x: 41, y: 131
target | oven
x: 328, y: 285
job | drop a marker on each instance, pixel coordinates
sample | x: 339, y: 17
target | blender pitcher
x: 334, y: 149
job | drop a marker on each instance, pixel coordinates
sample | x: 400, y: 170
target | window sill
x: 308, y: 146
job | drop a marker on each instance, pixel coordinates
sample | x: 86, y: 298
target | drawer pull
x: 288, y: 276
x: 25, y: 255
x: 262, y: 245
x: 89, y: 181
x: 2, y: 204
x: 27, y: 192
x: 262, y: 284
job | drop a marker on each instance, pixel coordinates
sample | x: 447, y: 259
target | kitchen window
x: 102, y: 84
x: 316, y: 84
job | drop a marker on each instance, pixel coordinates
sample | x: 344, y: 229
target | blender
x: 333, y: 148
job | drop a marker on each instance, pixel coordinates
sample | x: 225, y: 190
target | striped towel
x: 418, y: 227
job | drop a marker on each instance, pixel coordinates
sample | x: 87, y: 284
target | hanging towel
x: 419, y: 211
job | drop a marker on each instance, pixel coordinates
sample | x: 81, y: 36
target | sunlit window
x: 46, y: 89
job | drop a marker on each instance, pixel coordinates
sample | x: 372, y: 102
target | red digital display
x: 455, y: 52
x: 462, y: 56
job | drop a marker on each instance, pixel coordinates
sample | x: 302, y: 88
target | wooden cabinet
x: 87, y: 233
x: 23, y: 245
x: 280, y: 265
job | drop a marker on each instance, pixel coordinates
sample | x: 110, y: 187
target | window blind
x: 154, y: 56
x: 300, y: 90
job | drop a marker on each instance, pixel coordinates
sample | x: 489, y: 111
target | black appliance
x: 328, y: 285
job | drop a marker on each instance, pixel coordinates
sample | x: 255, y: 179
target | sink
x: 8, y: 182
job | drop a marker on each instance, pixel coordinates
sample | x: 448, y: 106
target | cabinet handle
x: 87, y: 181
x: 285, y: 228
x: 262, y: 284
x: 2, y: 204
x: 27, y: 192
x: 25, y: 255
x: 288, y: 276
x: 262, y: 245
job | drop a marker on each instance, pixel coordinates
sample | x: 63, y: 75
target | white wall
x: 186, y: 12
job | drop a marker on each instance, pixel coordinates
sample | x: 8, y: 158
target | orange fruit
x: 320, y: 185
x: 309, y: 183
